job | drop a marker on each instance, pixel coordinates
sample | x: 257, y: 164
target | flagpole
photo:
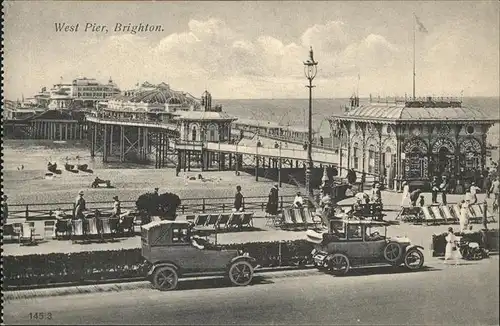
x: 414, y: 32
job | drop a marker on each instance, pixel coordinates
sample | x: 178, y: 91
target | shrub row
x: 491, y: 237
x: 128, y: 263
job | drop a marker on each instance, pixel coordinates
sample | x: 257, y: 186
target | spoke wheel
x: 165, y: 278
x: 414, y: 259
x: 240, y: 273
x: 392, y: 252
x: 338, y: 264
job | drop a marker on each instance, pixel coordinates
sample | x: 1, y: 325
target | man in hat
x: 298, y: 201
x: 473, y: 192
x: 443, y: 187
x: 116, y: 207
x: 238, y: 200
x: 434, y: 189
x: 79, y: 205
x: 5, y: 210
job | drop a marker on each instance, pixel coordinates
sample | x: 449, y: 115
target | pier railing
x: 46, y: 211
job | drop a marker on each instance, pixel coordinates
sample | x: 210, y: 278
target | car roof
x: 165, y: 223
x: 366, y: 222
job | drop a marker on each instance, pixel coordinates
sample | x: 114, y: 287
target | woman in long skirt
x: 464, y: 215
x: 405, y: 200
x: 451, y: 246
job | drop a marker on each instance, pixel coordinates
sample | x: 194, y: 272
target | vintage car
x: 172, y: 250
x: 356, y: 243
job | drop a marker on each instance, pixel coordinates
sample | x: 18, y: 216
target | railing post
x: 27, y: 212
x: 281, y: 203
x: 223, y: 207
x: 203, y: 206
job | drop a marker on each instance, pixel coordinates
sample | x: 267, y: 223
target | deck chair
x: 247, y: 219
x: 456, y: 211
x: 308, y: 217
x: 212, y: 219
x: 26, y: 237
x: 448, y: 214
x: 49, y: 229
x: 437, y: 214
x: 106, y: 228
x: 92, y: 226
x: 477, y: 212
x: 201, y: 220
x: 288, y: 221
x: 127, y: 224
x: 428, y: 217
x: 223, y: 220
x: 77, y: 230
x: 235, y: 220
x: 490, y: 216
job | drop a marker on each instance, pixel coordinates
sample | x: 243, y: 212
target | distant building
x: 17, y: 110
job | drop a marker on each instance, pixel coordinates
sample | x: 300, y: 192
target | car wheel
x: 240, y: 273
x: 165, y: 278
x: 414, y: 259
x: 392, y: 252
x: 338, y: 264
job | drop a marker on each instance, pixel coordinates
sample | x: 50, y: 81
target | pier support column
x: 279, y: 172
x: 104, y: 144
x: 93, y: 134
x: 111, y: 140
x: 189, y: 160
x: 122, y: 144
x: 256, y: 168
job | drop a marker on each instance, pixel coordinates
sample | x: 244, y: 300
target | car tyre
x: 393, y: 252
x: 338, y: 264
x: 240, y: 273
x: 165, y: 278
x: 414, y: 259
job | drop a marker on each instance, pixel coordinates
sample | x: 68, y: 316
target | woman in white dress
x: 464, y: 215
x: 405, y: 200
x: 451, y: 246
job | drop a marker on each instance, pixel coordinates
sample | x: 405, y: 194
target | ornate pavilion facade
x: 413, y: 140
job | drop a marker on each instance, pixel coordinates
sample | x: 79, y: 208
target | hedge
x: 128, y: 263
x: 439, y: 241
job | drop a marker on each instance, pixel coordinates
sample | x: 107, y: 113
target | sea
x: 35, y: 154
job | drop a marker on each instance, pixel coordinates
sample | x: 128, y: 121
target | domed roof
x: 417, y: 111
x: 162, y: 94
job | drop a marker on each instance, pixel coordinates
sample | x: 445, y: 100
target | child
x: 422, y: 201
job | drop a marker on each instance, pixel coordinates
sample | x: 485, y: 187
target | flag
x: 421, y: 27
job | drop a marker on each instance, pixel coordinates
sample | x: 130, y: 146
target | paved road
x: 454, y: 295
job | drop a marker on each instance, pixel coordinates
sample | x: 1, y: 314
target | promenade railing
x: 46, y: 211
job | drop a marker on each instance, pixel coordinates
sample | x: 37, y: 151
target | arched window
x: 371, y: 159
x: 193, y: 134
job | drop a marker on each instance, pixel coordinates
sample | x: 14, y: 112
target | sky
x: 256, y: 49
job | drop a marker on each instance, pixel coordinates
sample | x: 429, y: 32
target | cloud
x: 329, y: 38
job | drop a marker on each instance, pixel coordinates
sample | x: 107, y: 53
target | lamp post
x: 310, y: 70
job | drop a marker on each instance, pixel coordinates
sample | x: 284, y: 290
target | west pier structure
x: 414, y: 140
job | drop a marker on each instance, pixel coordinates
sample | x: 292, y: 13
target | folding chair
x: 234, y: 220
x: 201, y: 220
x: 428, y: 217
x: 127, y: 224
x: 456, y: 210
x: 308, y: 217
x: 247, y: 219
x: 212, y: 219
x: 489, y: 216
x: 223, y: 220
x: 49, y: 229
x: 297, y: 215
x: 288, y: 221
x: 448, y: 215
x: 77, y: 230
x: 105, y: 228
x: 477, y: 211
x: 437, y: 214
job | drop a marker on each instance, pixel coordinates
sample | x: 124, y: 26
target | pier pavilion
x: 413, y: 140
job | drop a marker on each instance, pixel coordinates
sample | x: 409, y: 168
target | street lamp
x: 310, y: 70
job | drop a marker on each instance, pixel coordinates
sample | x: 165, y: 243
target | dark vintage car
x: 172, y: 250
x: 357, y: 243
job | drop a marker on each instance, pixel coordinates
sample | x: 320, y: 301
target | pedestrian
x: 238, y: 200
x: 321, y: 140
x: 451, y: 246
x: 434, y: 189
x: 373, y: 192
x: 378, y: 194
x: 406, y: 194
x: 5, y: 210
x: 116, y: 207
x: 487, y: 184
x: 495, y: 190
x: 464, y: 214
x: 298, y: 201
x: 80, y: 206
x: 473, y: 191
x: 414, y: 196
x: 485, y: 215
x: 272, y: 201
x: 443, y: 187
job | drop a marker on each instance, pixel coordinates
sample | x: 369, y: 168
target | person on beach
x: 406, y: 194
x: 116, y: 207
x: 451, y: 246
x: 473, y: 191
x: 80, y: 206
x: 485, y: 215
x: 422, y: 201
x: 5, y: 210
x: 298, y: 201
x: 495, y: 190
x: 464, y: 214
x: 443, y: 187
x: 272, y: 201
x: 487, y: 183
x: 434, y: 189
x: 238, y: 200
